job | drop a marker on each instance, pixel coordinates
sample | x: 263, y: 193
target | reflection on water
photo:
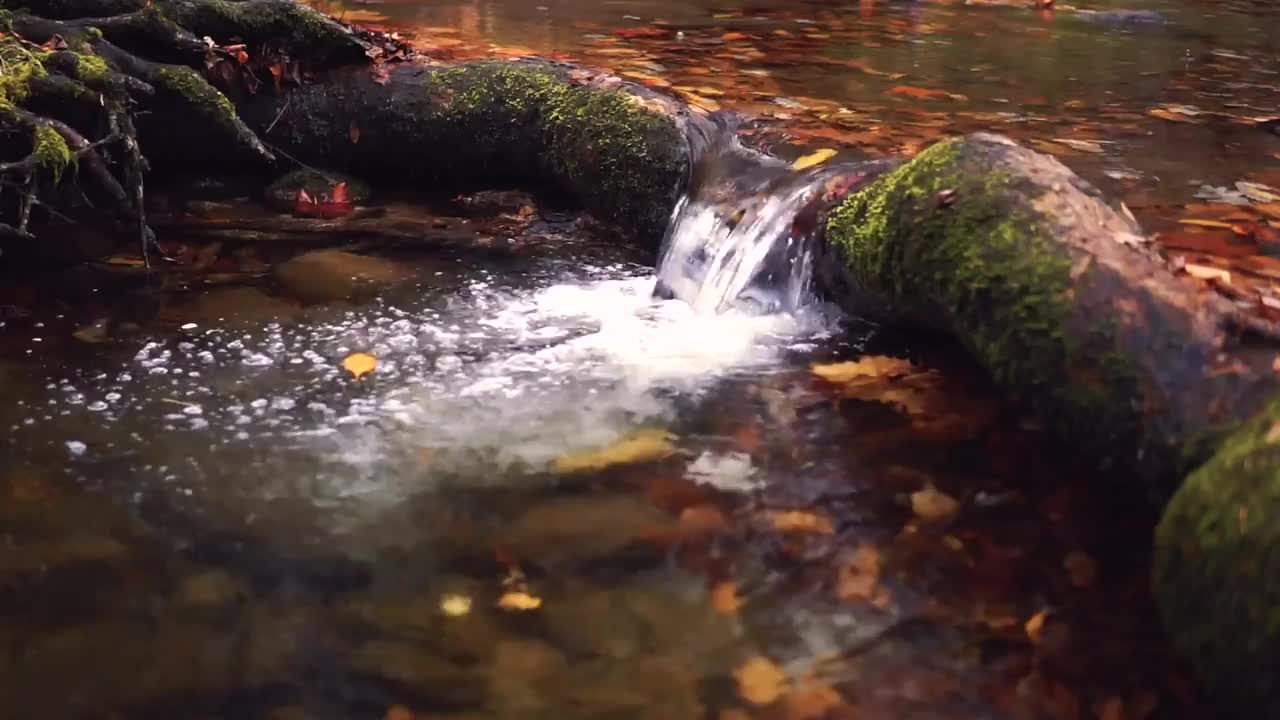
x: 889, y: 77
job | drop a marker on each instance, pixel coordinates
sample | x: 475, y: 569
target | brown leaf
x: 398, y: 712
x: 1081, y: 569
x: 760, y: 681
x: 810, y: 699
x: 354, y: 133
x: 1035, y: 627
x: 799, y: 521
x: 518, y: 600
x: 859, y: 578
x: 1204, y: 272
x: 933, y: 504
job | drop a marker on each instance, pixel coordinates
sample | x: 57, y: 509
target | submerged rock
x: 237, y: 307
x: 282, y: 194
x: 330, y: 275
x: 417, y: 671
x: 580, y: 528
x: 210, y: 591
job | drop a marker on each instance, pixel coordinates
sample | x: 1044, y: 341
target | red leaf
x: 340, y: 194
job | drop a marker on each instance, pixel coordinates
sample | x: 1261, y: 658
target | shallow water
x: 207, y: 515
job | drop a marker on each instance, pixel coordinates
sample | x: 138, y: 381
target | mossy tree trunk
x: 1056, y: 293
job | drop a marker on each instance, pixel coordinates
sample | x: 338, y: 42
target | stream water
x: 559, y: 496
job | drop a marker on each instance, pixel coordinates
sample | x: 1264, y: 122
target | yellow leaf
x: 518, y: 600
x: 643, y: 446
x: 455, y: 605
x: 800, y: 521
x: 760, y: 681
x: 933, y: 504
x: 359, y: 364
x: 1035, y: 627
x: 1206, y: 223
x: 871, y: 366
x: 814, y: 158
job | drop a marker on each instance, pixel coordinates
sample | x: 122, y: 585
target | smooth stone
x: 470, y: 637
x: 282, y: 194
x: 597, y: 623
x: 331, y: 275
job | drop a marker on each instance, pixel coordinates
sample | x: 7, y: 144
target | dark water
x: 556, y: 497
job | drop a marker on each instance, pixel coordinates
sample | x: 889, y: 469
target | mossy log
x: 1056, y: 293
x: 619, y: 150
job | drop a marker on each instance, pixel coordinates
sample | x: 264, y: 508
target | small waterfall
x: 744, y: 236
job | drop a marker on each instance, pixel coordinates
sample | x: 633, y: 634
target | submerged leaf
x: 813, y: 159
x: 520, y: 601
x: 800, y: 521
x: 871, y: 366
x: 455, y: 605
x: 359, y: 364
x: 933, y: 504
x: 643, y: 446
x: 760, y: 680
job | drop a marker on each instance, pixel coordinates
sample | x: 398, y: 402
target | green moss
x: 188, y: 85
x: 92, y: 69
x: 22, y: 64
x: 621, y: 159
x: 51, y: 152
x: 951, y: 240
x: 1217, y: 569
x: 260, y: 21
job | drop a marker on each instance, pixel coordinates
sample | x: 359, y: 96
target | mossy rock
x: 1217, y: 570
x: 283, y: 193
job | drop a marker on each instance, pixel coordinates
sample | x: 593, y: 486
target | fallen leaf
x: 1204, y: 272
x: 724, y: 597
x: 1207, y: 223
x: 398, y: 712
x: 1082, y: 145
x: 1081, y: 569
x: 1111, y: 709
x: 760, y: 681
x: 354, y: 133
x: 519, y: 601
x: 702, y: 520
x: 359, y: 364
x: 810, y: 699
x: 1171, y: 116
x: 813, y: 159
x: 1257, y: 192
x: 871, y: 366
x: 920, y: 93
x: 1034, y: 627
x: 933, y: 504
x: 643, y: 446
x: 800, y: 521
x: 859, y: 579
x: 455, y: 605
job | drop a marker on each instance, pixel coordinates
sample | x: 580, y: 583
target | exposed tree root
x: 80, y: 80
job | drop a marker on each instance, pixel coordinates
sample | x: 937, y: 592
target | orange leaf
x: 760, y: 681
x: 800, y: 521
x: 724, y: 597
x: 359, y: 364
x: 1035, y: 627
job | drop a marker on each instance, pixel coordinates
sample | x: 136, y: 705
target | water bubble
x: 97, y: 406
x: 76, y: 448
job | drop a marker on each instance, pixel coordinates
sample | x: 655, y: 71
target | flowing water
x: 577, y: 487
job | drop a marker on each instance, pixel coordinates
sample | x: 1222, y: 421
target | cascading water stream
x: 745, y: 235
